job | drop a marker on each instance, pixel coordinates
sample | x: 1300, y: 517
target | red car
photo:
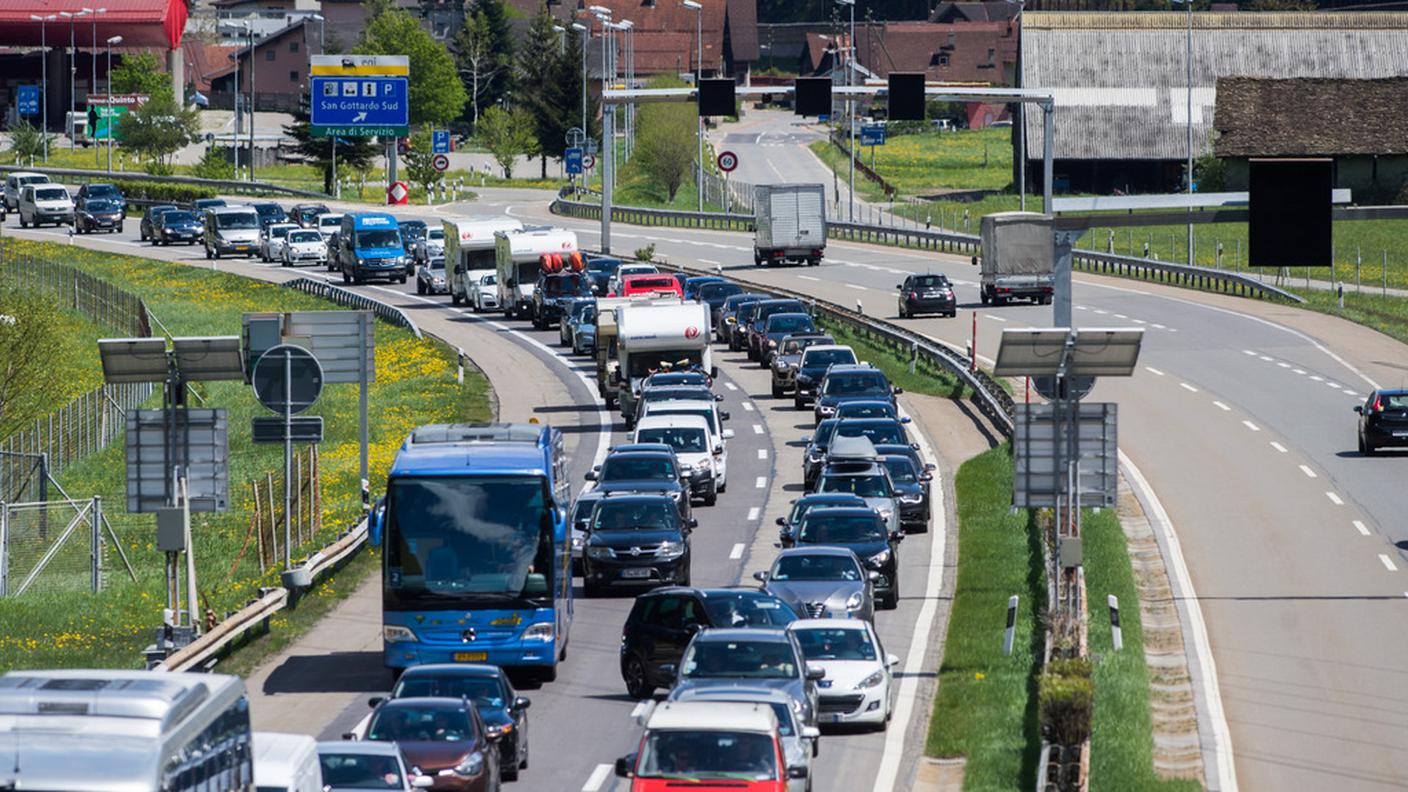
x: 694, y: 743
x: 651, y: 283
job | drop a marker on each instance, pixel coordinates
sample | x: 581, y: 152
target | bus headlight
x: 542, y: 631
x: 395, y: 633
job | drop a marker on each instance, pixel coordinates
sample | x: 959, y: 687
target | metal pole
x: 72, y: 79
x: 235, y: 133
x: 850, y: 112
x: 699, y: 75
x: 4, y: 547
x: 608, y: 175
x: 109, y: 107
x: 1022, y: 110
x: 44, y: 79
x: 95, y: 521
x: 93, y: 83
x: 363, y: 386
x: 336, y: 188
x: 1188, y: 59
x: 1048, y: 133
x: 288, y: 459
x: 585, y: 131
x: 250, y: 27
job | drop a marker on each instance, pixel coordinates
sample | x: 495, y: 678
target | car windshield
x: 178, y: 218
x: 747, y: 609
x: 929, y: 282
x: 329, y: 221
x: 380, y: 238
x: 237, y: 220
x: 269, y: 210
x: 788, y: 323
x: 436, y: 235
x: 684, y: 439
x: 99, y: 205
x: 698, y: 755
x: 659, y: 393
x: 483, y: 691
x: 680, y: 378
x: 800, y: 509
x: 602, y: 265
x: 863, y: 383
x: 435, y: 264
x: 634, y: 515
x: 279, y: 232
x: 664, y: 282
x: 880, y: 433
x: 821, y: 358
x: 51, y: 194
x: 715, y: 290
x: 360, y: 771
x: 101, y: 190
x: 835, y: 644
x: 824, y: 432
x: 489, y: 280
x: 901, y: 469
x: 751, y: 659
x: 413, y: 230
x: 837, y: 529
x: 874, y: 486
x: 295, y: 237
x: 705, y: 413
x: 420, y: 724
x: 815, y: 567
x: 637, y: 468
x: 865, y: 410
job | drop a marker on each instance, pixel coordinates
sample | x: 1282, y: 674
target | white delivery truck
x: 519, y: 256
x: 469, y: 251
x: 1018, y: 259
x: 651, y: 337
x: 790, y: 223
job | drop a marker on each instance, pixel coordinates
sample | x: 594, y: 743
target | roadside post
x: 1009, y: 634
x: 1116, y: 634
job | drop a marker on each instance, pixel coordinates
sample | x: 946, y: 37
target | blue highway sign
x: 440, y: 141
x: 872, y: 135
x: 359, y: 106
x: 27, y: 102
x: 574, y: 160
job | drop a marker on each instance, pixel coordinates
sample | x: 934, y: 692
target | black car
x: 814, y: 456
x: 846, y: 383
x: 412, y: 231
x: 787, y: 526
x: 926, y: 294
x: 714, y: 293
x: 201, y: 204
x: 787, y: 358
x: 107, y: 192
x: 911, y: 484
x: 726, y: 317
x: 777, y: 327
x: 599, y: 271
x: 555, y: 292
x: 1383, y: 420
x: 635, y: 539
x: 663, y: 621
x: 757, y: 324
x: 269, y: 213
x: 488, y: 688
x: 653, y: 472
x: 97, y: 214
x: 862, y: 531
x: 306, y: 214
x: 742, y: 319
x: 179, y: 226
x: 148, y: 225
x: 878, y: 431
x: 812, y: 368
x: 694, y: 284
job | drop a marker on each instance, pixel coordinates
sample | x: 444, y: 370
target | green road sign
x: 359, y: 131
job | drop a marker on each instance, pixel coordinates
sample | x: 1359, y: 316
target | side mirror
x: 375, y: 701
x: 1359, y: 408
x: 891, y: 660
x: 522, y: 703
x: 624, y: 765
x: 898, y: 390
x: 814, y: 674
x: 926, y: 476
x: 718, y: 397
x: 422, y: 782
x: 718, y: 449
x: 723, y: 415
x: 807, y: 439
x: 797, y: 772
x: 899, y: 285
x: 726, y: 434
x: 760, y: 576
x: 693, y: 523
x: 782, y: 521
x: 590, y: 475
x: 904, y: 419
x: 349, y: 736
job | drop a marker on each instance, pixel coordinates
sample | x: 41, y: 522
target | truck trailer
x: 790, y: 224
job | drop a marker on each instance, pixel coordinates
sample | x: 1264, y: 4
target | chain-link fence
x: 104, y: 303
x: 51, y: 547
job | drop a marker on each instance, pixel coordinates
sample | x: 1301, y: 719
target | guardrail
x: 76, y: 175
x: 352, y: 299
x: 1219, y: 280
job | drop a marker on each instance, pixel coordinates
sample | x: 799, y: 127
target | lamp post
x: 1188, y: 66
x: 628, y: 49
x: 93, y: 80
x: 72, y: 77
x: 586, y: 35
x: 249, y: 27
x: 850, y: 108
x: 111, y: 117
x: 1022, y: 110
x: 44, y: 79
x: 698, y: 10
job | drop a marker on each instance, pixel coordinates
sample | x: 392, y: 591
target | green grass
x: 1121, y: 743
x: 1388, y: 315
x: 932, y: 162
x: 926, y: 379
x: 71, y: 357
x: 986, y: 706
x: 58, y: 625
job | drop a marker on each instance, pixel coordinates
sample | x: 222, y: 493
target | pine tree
x: 538, y: 68
x: 352, y: 153
x: 501, y: 51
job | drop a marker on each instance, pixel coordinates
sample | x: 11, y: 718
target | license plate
x: 471, y: 657
x: 1400, y: 434
x: 833, y: 717
x: 634, y: 572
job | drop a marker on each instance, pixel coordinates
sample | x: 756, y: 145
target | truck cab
x: 369, y: 246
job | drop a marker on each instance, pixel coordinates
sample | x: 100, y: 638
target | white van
x: 286, y: 763
x: 16, y: 182
x: 713, y: 418
x: 45, y: 203
x: 231, y: 229
x: 699, y: 453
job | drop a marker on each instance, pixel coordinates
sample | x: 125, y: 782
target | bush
x: 154, y: 191
x: 646, y: 253
x: 214, y: 165
x: 1066, y: 700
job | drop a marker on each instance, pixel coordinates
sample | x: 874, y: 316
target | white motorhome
x: 286, y: 763
x: 469, y: 251
x: 518, y: 255
x: 651, y: 337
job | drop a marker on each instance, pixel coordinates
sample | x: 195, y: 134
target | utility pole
x: 850, y: 106
x: 698, y: 10
x: 111, y: 116
x: 249, y: 26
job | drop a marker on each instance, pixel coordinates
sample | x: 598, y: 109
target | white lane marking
x: 855, y: 286
x: 1205, y: 666
x: 1158, y: 326
x: 1283, y: 364
x: 1121, y: 316
x: 887, y: 775
x: 757, y: 428
x: 639, y: 708
x: 748, y: 406
x: 1251, y: 426
x: 1278, y: 446
x: 1082, y: 308
x: 809, y: 278
x: 1187, y: 387
x: 1317, y: 378
x: 708, y: 261
x: 1350, y: 393
x: 995, y: 318
x: 1249, y: 352
x: 754, y: 512
x: 1334, y: 498
x: 730, y: 386
x: 1361, y: 528
x: 1102, y: 313
x: 1138, y: 321
x: 762, y: 453
x: 1267, y: 358
x: 1298, y: 371
x: 1333, y: 384
x: 598, y: 777
x: 1388, y: 563
x: 1221, y: 406
x: 761, y: 482
x: 1308, y: 472
x: 736, y: 553
x: 1153, y: 371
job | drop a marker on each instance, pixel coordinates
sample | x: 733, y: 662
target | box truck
x: 1018, y: 260
x: 790, y: 224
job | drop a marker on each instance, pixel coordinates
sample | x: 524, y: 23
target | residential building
x: 279, y: 64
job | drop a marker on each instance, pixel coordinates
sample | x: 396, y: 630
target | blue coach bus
x: 477, y: 562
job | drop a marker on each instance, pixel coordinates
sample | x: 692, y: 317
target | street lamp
x: 93, y: 81
x: 586, y: 35
x: 249, y: 27
x: 72, y: 77
x: 1022, y: 111
x: 850, y: 109
x: 629, y: 46
x: 698, y: 10
x: 1188, y: 65
x: 44, y: 79
x: 111, y: 117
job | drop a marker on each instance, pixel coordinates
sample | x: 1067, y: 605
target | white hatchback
x: 271, y: 240
x: 303, y: 246
x: 856, y: 688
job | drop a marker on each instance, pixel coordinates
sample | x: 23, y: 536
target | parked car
x: 201, y: 204
x: 869, y: 408
x: 348, y: 766
x: 554, y: 293
x: 45, y: 203
x: 743, y: 317
x: 660, y: 284
x: 306, y: 214
x: 787, y: 360
x: 613, y: 284
x: 863, y: 532
x: 633, y: 540
x: 821, y: 583
x: 662, y: 622
x: 97, y: 214
x: 430, y: 277
x: 688, y: 436
x: 853, y: 467
x: 146, y: 228
x: 271, y: 241
x: 444, y: 737
x: 1383, y: 420
x: 231, y: 230
x: 693, y: 285
x: 799, y: 743
x: 713, y: 294
x: 599, y: 271
x: 108, y: 192
x: 926, y: 294
x: 485, y: 293
x: 758, y: 656
x: 582, y: 509
x: 857, y: 687
x: 303, y: 246
x: 178, y: 226
x: 911, y: 483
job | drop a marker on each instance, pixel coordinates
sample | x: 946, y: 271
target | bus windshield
x: 381, y: 238
x: 468, y: 541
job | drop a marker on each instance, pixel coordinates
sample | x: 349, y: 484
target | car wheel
x: 420, y: 286
x: 346, y: 277
x: 454, y: 298
x: 207, y: 252
x: 590, y: 589
x: 777, y: 392
x: 712, y: 496
x: 508, y: 773
x: 1366, y: 448
x: 637, y: 686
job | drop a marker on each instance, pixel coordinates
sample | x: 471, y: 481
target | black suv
x: 663, y: 621
x: 554, y: 293
x: 726, y: 318
x: 652, y: 472
x: 812, y: 368
x: 776, y: 328
x: 846, y: 383
x: 107, y: 192
x: 911, y: 484
x: 862, y: 531
x: 742, y: 319
x: 150, y: 220
x: 635, y: 539
x: 178, y: 226
x: 757, y: 325
x: 1383, y: 420
x: 926, y: 294
x: 306, y: 214
x: 269, y: 213
x: 714, y: 293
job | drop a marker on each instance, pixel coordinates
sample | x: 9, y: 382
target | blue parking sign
x: 27, y: 100
x: 573, y: 160
x: 440, y: 141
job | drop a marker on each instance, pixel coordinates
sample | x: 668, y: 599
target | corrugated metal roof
x: 1169, y: 20
x: 141, y: 23
x: 1079, y: 59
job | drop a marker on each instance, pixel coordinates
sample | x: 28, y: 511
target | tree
x: 506, y: 134
x: 666, y: 142
x: 140, y: 73
x: 26, y: 142
x: 436, y: 94
x: 353, y: 154
x: 568, y: 79
x: 420, y: 160
x: 159, y: 128
x: 537, y: 67
x: 501, y: 48
x: 479, y: 65
x: 28, y: 325
x: 214, y: 165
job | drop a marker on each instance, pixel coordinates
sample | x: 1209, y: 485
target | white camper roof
x: 479, y: 229
x: 539, y: 241
x: 647, y: 326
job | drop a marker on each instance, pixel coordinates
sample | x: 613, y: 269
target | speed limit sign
x: 589, y: 162
x: 440, y: 162
x: 727, y: 161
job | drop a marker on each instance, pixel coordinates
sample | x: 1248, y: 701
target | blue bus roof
x: 361, y: 220
x: 475, y: 449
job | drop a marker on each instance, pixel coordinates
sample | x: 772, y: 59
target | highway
x: 321, y: 684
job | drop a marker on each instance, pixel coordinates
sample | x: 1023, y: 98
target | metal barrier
x: 76, y: 175
x: 352, y: 299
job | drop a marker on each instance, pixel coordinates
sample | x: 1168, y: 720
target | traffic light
x: 716, y: 97
x: 811, y: 96
x: 906, y: 97
x: 1290, y: 222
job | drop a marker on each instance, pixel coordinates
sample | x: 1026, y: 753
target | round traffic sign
x: 575, y: 137
x: 727, y: 161
x: 440, y: 162
x: 589, y: 162
x: 287, y: 378
x: 398, y: 193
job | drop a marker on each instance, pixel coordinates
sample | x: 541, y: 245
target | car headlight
x: 576, y: 543
x: 803, y: 379
x: 670, y: 550
x: 600, y: 552
x: 472, y: 765
x: 855, y: 601
x: 880, y: 557
x: 703, y: 464
x: 542, y: 631
x: 772, y: 344
x: 438, y: 281
x: 395, y: 633
x: 871, y: 681
x: 826, y: 409
x: 814, y: 457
